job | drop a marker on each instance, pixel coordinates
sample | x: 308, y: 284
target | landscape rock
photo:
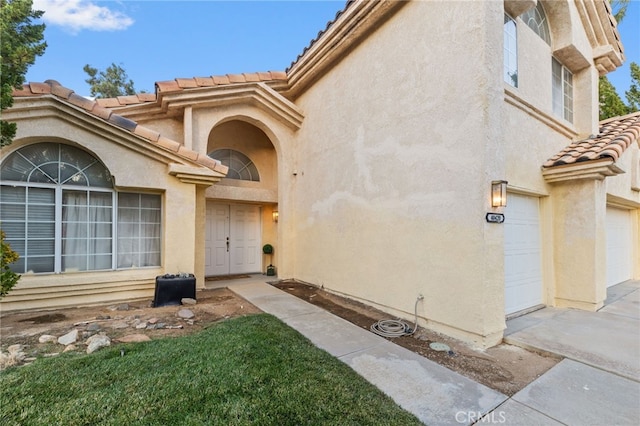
x: 69, y: 338
x: 186, y: 313
x: 47, y: 338
x: 70, y: 348
x: 97, y: 342
x: 134, y: 338
x: 188, y: 301
x: 141, y: 325
x: 120, y: 325
x: 153, y: 320
x: 122, y: 307
x: 93, y: 327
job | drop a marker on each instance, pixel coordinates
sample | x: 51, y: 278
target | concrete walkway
x: 597, y: 384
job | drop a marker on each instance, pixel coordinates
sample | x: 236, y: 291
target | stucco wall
x: 626, y: 186
x: 395, y: 160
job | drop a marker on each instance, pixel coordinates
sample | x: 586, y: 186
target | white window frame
x: 20, y: 233
x: 562, y: 90
x: 510, y: 66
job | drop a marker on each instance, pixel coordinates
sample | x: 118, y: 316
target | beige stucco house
x: 377, y: 148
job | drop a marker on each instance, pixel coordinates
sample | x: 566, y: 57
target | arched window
x: 240, y: 166
x: 60, y: 213
x: 536, y: 19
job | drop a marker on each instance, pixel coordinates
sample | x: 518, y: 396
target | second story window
x: 536, y: 19
x: 562, y: 87
x: 510, y: 52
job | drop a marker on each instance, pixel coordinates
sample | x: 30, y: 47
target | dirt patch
x: 118, y: 320
x: 505, y: 368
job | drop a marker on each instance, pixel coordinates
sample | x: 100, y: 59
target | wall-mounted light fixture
x: 275, y: 216
x: 499, y: 193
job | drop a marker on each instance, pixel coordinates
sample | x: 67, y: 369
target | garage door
x: 522, y: 252
x: 619, y: 239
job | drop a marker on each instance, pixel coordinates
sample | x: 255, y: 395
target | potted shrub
x: 268, y: 249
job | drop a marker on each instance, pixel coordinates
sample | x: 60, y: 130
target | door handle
x: 227, y: 244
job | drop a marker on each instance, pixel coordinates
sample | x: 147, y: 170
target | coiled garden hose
x: 396, y: 328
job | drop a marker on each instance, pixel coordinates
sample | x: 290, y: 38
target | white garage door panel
x: 522, y: 250
x: 619, y: 242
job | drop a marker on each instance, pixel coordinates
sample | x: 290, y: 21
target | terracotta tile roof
x: 321, y: 33
x: 101, y: 111
x: 179, y: 84
x: 616, y: 135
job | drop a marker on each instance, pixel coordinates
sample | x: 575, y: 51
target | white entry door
x: 522, y: 252
x: 232, y: 239
x: 619, y: 242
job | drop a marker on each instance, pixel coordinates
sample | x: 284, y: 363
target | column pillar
x: 579, y: 221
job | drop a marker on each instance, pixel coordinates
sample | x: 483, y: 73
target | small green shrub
x: 8, y: 278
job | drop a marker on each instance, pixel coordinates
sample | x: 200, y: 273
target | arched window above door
x: 240, y: 166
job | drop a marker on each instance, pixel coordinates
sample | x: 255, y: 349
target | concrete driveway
x: 598, y: 382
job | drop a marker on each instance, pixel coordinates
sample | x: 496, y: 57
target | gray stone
x: 93, y: 327
x: 188, y: 301
x: 160, y: 325
x: 120, y: 325
x: 47, y: 338
x: 15, y: 349
x: 97, y: 342
x: 141, y: 325
x: 186, y: 313
x: 69, y: 338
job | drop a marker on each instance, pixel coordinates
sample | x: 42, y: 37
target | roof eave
x: 352, y: 26
x: 602, y: 32
x: 263, y: 96
x: 586, y: 170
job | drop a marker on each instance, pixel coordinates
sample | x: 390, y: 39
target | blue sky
x: 161, y: 40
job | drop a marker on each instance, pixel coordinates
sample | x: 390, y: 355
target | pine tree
x: 110, y: 83
x: 21, y: 42
x: 633, y: 94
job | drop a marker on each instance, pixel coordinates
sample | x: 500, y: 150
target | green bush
x: 8, y: 278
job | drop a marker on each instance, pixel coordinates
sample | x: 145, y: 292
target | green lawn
x: 252, y: 370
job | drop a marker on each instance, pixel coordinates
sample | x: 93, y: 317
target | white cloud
x: 78, y: 15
